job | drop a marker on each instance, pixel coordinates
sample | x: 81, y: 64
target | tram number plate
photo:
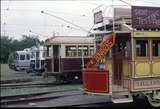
x: 149, y: 83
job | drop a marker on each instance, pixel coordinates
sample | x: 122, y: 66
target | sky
x: 25, y: 18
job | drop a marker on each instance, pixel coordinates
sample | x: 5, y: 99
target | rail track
x: 8, y: 100
x: 30, y: 85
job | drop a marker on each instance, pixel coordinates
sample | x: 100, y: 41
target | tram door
x: 56, y: 58
x: 117, y: 63
x: 121, y: 57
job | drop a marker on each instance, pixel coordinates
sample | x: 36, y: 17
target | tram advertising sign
x: 98, y: 17
x: 100, y: 53
x: 145, y: 17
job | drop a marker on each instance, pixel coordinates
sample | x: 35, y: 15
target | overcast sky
x: 19, y: 17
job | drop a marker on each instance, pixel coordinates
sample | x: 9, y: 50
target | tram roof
x: 70, y: 40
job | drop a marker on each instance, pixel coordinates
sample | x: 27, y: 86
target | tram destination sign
x: 98, y: 17
x: 147, y: 83
x: 145, y: 17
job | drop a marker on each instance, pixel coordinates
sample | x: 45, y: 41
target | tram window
x: 91, y: 50
x: 109, y: 54
x: 79, y: 50
x: 48, y: 51
x: 43, y: 55
x: 28, y: 57
x: 142, y: 48
x: 127, y: 49
x: 22, y: 57
x: 85, y: 50
x: 156, y: 47
x: 37, y: 54
x: 71, y: 51
x: 32, y: 55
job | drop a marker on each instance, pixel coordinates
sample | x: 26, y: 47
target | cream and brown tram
x: 67, y: 55
x: 131, y: 55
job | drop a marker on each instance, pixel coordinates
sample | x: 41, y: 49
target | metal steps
x: 120, y: 98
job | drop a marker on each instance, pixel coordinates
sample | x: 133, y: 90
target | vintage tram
x: 19, y: 60
x: 130, y: 51
x: 66, y: 56
x: 37, y: 59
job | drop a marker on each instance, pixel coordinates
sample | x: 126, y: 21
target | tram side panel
x: 146, y: 75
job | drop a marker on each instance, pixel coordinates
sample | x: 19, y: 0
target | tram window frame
x: 85, y: 51
x: 43, y: 54
x: 71, y: 52
x: 79, y: 51
x: 22, y: 58
x: 91, y: 50
x: 155, y: 48
x: 139, y: 53
x: 127, y: 50
x: 37, y: 55
x: 32, y: 55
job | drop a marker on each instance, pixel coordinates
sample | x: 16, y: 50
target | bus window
x: 22, y: 57
x: 28, y: 57
x: 71, y: 51
x: 156, y: 48
x: 142, y: 48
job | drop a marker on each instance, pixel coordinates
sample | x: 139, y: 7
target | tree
x: 10, y: 45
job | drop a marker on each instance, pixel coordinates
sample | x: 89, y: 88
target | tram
x: 20, y: 60
x: 130, y: 52
x: 37, y: 59
x: 66, y: 57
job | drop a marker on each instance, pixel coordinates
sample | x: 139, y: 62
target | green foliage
x: 10, y: 45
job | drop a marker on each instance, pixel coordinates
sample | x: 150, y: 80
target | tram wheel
x: 152, y: 101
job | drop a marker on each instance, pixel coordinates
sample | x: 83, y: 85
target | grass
x: 8, y: 74
x: 23, y: 91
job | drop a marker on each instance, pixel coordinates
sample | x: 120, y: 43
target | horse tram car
x: 37, y: 59
x: 127, y: 63
x: 66, y: 56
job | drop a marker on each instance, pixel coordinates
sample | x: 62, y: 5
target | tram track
x: 7, y: 100
x: 31, y: 85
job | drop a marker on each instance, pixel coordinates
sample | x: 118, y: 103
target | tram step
x: 122, y: 99
x: 118, y: 93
